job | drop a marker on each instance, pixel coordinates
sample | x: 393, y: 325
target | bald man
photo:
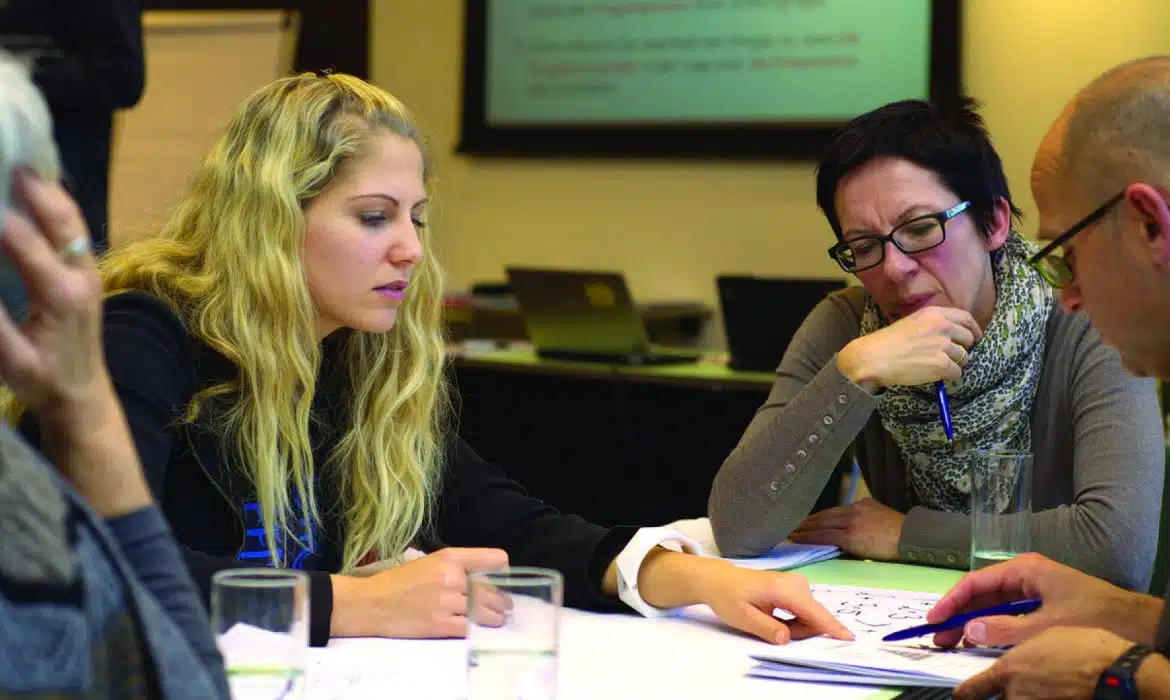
x: 1101, y: 180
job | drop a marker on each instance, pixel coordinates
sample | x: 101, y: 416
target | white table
x: 607, y: 657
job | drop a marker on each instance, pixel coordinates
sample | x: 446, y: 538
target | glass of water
x: 513, y: 628
x: 261, y: 622
x: 1001, y: 506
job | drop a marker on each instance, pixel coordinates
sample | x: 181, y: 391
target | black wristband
x: 1118, y: 682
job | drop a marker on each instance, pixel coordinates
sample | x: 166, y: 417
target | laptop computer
x: 586, y: 316
x: 761, y: 314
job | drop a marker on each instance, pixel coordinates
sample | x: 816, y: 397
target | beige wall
x: 210, y: 59
x: 671, y: 226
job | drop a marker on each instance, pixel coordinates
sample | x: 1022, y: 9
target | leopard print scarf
x: 991, y: 405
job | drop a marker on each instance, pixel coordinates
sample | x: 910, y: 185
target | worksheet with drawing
x: 872, y: 613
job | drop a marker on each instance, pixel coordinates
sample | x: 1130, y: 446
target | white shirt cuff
x: 629, y: 563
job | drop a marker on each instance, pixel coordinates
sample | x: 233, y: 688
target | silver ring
x: 76, y: 249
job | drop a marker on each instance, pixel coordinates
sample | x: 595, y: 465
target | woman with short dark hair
x: 923, y: 216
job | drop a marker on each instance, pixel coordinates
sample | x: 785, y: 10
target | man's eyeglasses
x: 917, y: 235
x: 1053, y: 266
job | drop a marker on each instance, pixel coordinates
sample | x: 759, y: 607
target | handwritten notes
x: 872, y: 613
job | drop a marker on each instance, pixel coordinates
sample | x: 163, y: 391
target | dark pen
x: 1020, y: 607
x: 944, y: 409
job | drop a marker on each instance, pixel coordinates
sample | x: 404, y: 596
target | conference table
x: 613, y: 656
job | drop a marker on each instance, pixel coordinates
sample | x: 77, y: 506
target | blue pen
x: 1020, y: 607
x: 944, y: 409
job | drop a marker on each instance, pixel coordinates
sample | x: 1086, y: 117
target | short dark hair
x: 951, y: 141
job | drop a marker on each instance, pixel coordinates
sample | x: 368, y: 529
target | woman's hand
x: 424, y: 598
x: 866, y: 528
x: 743, y: 598
x: 929, y: 345
x: 53, y: 361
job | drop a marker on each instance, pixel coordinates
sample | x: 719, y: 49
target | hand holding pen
x: 958, y: 622
x: 1066, y: 598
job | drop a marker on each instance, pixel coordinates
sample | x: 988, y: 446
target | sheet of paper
x: 357, y: 669
x: 788, y: 556
x: 246, y: 645
x: 872, y: 613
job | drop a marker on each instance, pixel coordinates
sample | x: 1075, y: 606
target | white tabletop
x: 602, y: 657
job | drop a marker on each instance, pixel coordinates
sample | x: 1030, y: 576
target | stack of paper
x: 788, y: 555
x: 862, y: 663
x: 872, y: 613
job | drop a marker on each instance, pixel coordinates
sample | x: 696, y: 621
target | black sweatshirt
x: 157, y: 367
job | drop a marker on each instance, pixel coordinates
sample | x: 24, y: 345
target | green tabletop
x: 873, y: 574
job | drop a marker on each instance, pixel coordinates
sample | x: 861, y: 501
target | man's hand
x: 1062, y: 663
x: 1069, y: 598
x: 866, y: 528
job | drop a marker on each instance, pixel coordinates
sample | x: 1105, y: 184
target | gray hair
x: 26, y: 128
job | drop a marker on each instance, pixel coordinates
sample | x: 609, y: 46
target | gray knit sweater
x: 93, y: 608
x: 1097, y: 444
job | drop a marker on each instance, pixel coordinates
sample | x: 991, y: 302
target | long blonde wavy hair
x: 229, y: 261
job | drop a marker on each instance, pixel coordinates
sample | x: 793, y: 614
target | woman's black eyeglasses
x: 1053, y: 266
x: 917, y: 235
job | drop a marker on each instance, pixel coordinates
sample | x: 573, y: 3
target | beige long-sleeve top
x: 1097, y: 443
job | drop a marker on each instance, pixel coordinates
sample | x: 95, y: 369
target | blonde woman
x: 278, y: 352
